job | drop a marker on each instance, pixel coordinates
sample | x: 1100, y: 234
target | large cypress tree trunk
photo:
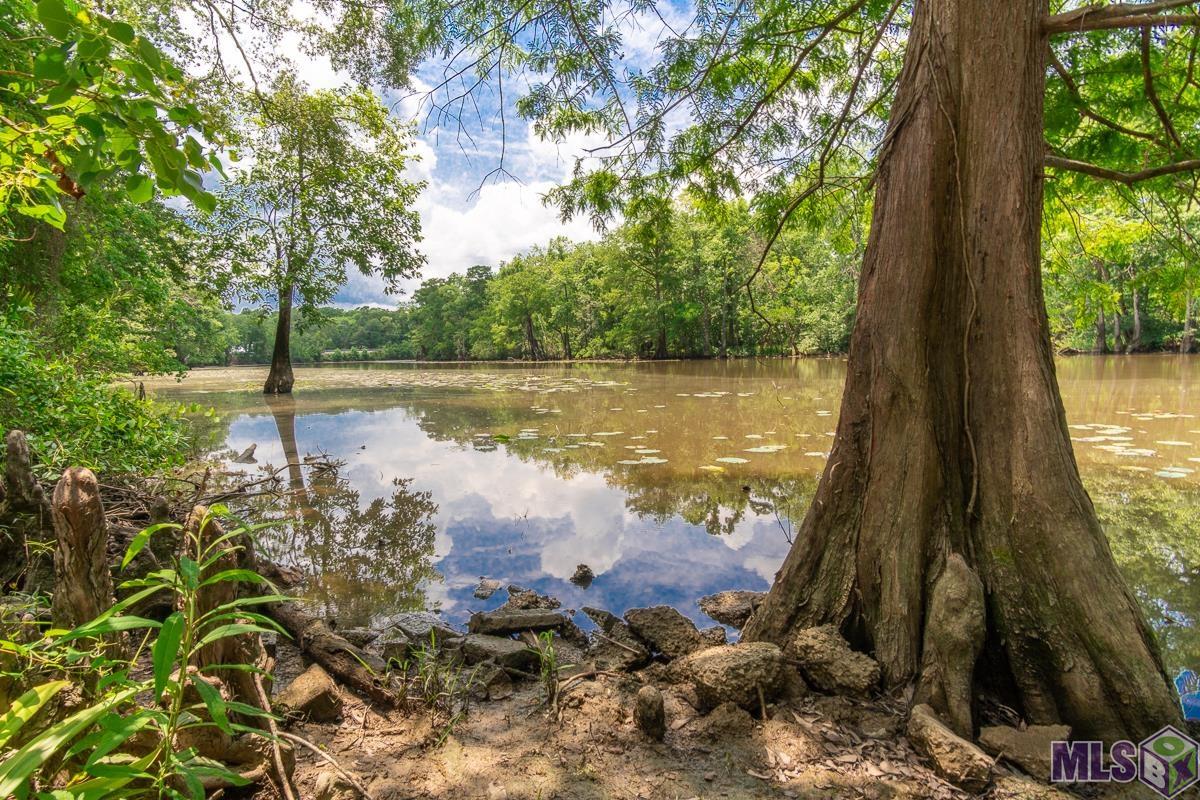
x: 952, y: 436
x: 279, y: 379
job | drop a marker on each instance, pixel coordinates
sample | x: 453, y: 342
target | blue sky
x: 465, y: 219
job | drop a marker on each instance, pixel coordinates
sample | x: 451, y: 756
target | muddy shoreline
x: 714, y: 739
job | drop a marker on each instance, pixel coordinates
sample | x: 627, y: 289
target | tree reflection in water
x: 362, y: 563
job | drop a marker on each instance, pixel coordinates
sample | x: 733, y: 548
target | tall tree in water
x: 952, y: 437
x: 324, y: 189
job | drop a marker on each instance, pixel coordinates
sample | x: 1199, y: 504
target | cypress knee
x: 82, y: 581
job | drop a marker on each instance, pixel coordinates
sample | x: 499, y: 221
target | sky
x: 469, y: 214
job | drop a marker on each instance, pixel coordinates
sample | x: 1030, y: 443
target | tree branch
x: 1118, y: 15
x: 1088, y: 111
x: 1152, y: 93
x: 1127, y: 178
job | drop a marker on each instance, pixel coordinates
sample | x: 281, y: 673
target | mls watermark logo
x: 1166, y: 762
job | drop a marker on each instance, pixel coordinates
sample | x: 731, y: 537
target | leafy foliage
x: 77, y: 418
x: 88, y: 748
x: 86, y: 97
x: 682, y: 276
x: 326, y: 191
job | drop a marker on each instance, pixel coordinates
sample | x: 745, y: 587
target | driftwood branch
x: 1127, y: 178
x: 358, y: 787
x: 1152, y: 93
x: 339, y: 658
x: 1086, y: 110
x: 1119, y: 15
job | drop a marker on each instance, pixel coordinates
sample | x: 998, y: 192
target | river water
x: 669, y: 480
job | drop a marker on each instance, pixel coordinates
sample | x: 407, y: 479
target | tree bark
x: 82, y: 582
x: 280, y: 379
x: 222, y: 657
x: 26, y: 527
x: 531, y: 341
x: 952, y: 437
x: 1135, y: 336
x: 660, y: 337
x: 1185, y: 341
x: 706, y: 327
x: 1101, y: 324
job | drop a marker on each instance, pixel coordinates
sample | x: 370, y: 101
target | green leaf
x: 243, y: 575
x: 50, y: 64
x: 212, y: 701
x: 225, y: 631
x: 166, y: 649
x: 121, y: 31
x: 141, y: 189
x: 61, y: 93
x: 55, y: 18
x: 25, y: 706
x: 149, y: 54
x: 17, y: 769
x: 99, y: 627
x: 206, y: 202
x: 92, y: 48
x: 50, y: 214
x: 190, y: 571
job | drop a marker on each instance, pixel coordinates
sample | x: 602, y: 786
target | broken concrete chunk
x: 714, y: 636
x: 731, y: 608
x: 504, y: 621
x: 393, y: 646
x: 650, y: 714
x: 613, y: 645
x: 420, y: 626
x: 1029, y: 749
x: 478, y: 647
x: 829, y: 664
x: 521, y: 598
x: 666, y: 630
x: 748, y: 674
x: 583, y: 576
x: 489, y: 680
x: 312, y: 694
x: 953, y: 757
x: 486, y: 588
x: 359, y: 637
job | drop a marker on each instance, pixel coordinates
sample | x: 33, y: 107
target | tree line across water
x: 688, y: 285
x: 131, y: 289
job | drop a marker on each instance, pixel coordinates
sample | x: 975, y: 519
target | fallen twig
x: 285, y: 784
x: 291, y: 737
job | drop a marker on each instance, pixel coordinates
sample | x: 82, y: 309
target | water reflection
x: 669, y: 481
x: 362, y: 560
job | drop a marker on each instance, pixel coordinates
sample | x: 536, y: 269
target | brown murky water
x: 670, y: 480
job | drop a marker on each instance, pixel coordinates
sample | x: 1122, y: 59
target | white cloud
x: 504, y: 219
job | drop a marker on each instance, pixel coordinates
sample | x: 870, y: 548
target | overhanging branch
x: 1127, y: 178
x: 1119, y: 15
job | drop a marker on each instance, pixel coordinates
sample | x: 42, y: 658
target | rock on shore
x: 829, y: 664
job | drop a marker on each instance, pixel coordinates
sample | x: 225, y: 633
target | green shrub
x: 85, y: 748
x: 77, y: 418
